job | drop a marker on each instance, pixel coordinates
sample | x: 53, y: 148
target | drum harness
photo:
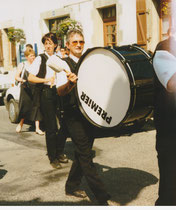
x: 60, y: 109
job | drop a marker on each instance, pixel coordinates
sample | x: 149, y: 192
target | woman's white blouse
x: 35, y: 66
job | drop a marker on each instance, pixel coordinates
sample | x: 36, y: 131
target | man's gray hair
x: 72, y: 32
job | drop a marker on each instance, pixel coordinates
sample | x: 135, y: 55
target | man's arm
x: 171, y: 85
x: 67, y: 87
x: 32, y: 78
x: 165, y: 67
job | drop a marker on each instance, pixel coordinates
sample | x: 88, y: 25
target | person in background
x: 77, y: 126
x: 29, y: 46
x: 44, y: 77
x: 58, y: 52
x: 67, y: 51
x: 25, y: 101
x: 164, y: 62
x: 62, y: 52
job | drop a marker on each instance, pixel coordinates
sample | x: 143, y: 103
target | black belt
x: 48, y: 87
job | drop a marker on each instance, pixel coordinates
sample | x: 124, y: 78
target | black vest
x: 165, y: 102
x: 42, y: 70
x: 69, y: 101
x: 39, y: 86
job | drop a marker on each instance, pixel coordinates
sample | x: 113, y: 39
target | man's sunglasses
x: 74, y: 43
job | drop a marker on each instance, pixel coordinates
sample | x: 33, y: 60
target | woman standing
x: 25, y: 101
x: 44, y: 77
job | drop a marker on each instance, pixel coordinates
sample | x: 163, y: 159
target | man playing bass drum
x: 77, y: 126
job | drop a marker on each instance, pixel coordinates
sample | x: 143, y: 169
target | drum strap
x: 69, y: 101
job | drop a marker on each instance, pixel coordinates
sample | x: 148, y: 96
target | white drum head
x: 103, y: 88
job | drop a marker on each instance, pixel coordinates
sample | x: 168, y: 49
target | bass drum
x: 115, y: 86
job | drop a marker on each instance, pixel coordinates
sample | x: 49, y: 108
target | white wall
x: 82, y: 13
x: 126, y: 20
x: 81, y: 10
x: 31, y: 16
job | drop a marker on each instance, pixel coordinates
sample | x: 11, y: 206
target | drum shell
x: 139, y: 63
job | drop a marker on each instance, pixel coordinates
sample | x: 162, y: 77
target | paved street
x: 127, y: 165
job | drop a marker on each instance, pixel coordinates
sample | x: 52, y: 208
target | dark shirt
x: 165, y: 104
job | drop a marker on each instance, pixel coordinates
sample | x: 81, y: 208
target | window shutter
x: 1, y: 51
x: 141, y: 23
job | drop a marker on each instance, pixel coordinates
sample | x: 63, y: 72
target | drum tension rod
x: 126, y: 61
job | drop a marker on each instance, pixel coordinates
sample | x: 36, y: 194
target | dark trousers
x: 55, y: 140
x: 167, y: 171
x: 80, y: 134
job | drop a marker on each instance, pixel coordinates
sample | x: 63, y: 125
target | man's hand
x: 72, y: 78
x: 51, y: 80
x: 66, y: 88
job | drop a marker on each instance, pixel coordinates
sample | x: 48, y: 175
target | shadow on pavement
x: 123, y: 184
x: 2, y: 173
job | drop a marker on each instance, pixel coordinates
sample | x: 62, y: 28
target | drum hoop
x: 140, y: 49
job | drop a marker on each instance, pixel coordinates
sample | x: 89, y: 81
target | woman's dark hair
x: 50, y: 36
x: 29, y: 45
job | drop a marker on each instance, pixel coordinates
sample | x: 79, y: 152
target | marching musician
x: 45, y: 92
x: 77, y: 126
x: 164, y: 62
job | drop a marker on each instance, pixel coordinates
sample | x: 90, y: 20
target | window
x: 109, y: 26
x: 53, y: 26
x: 165, y: 9
x: 12, y: 51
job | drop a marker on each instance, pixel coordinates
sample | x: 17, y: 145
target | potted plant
x: 165, y: 7
x: 15, y: 35
x: 67, y: 24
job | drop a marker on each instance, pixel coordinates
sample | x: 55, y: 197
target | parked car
x: 11, y: 100
x: 5, y: 83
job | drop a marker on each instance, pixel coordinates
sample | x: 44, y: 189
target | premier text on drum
x: 96, y: 108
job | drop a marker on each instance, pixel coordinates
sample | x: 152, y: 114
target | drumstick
x: 68, y: 72
x: 56, y: 64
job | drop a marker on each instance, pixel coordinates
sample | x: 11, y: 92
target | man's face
x: 76, y: 45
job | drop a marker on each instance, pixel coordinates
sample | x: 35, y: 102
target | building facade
x: 105, y: 23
